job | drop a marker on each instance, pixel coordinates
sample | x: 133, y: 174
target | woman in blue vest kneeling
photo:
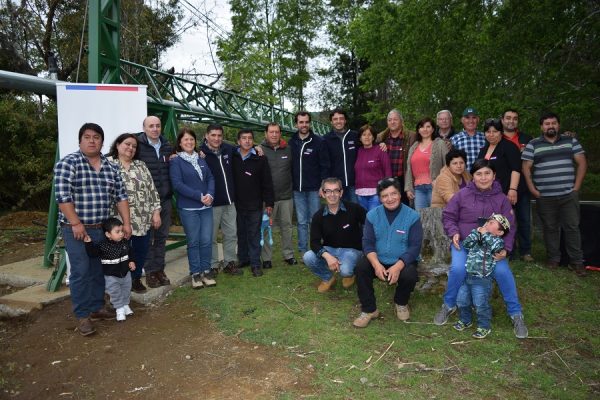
x: 392, y: 239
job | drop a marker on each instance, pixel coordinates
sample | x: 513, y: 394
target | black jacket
x: 221, y: 166
x: 253, y: 183
x: 309, y: 162
x: 114, y: 256
x: 158, y: 166
x: 341, y: 156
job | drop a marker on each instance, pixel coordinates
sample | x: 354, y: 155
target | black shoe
x: 162, y: 277
x: 137, y: 286
x: 291, y: 261
x: 232, y: 269
x: 244, y: 264
x: 257, y: 271
x: 267, y: 265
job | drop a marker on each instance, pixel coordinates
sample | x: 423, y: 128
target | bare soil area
x: 166, y: 351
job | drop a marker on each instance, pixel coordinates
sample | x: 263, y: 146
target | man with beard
x: 554, y: 166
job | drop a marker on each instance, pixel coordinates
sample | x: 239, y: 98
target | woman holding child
x: 467, y: 209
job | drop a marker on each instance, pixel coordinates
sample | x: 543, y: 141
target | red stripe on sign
x: 118, y: 88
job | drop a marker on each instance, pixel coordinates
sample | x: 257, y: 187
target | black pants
x: 364, y: 282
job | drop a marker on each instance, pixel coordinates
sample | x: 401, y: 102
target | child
x: 115, y: 255
x: 482, y: 244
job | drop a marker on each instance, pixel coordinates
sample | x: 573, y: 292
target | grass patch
x: 283, y: 308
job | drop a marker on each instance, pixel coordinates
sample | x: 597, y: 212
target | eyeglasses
x: 332, y: 191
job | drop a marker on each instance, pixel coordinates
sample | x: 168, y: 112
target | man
x: 398, y: 143
x: 554, y: 166
x: 308, y: 166
x: 87, y: 187
x: 339, y: 146
x: 444, y: 128
x: 279, y: 155
x: 219, y: 157
x: 391, y: 242
x: 253, y: 191
x: 469, y: 139
x: 155, y: 150
x: 510, y: 124
x: 335, y: 237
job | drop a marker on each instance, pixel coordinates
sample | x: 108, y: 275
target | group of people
x: 364, y: 229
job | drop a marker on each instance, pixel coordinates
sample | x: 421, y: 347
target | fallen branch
x: 560, y: 348
x: 418, y: 322
x: 380, y: 357
x: 281, y: 302
x: 569, y: 368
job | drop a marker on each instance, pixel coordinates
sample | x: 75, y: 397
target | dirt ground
x: 165, y: 351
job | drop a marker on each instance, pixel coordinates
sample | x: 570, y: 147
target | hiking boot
x: 121, y: 314
x: 291, y: 261
x: 402, y: 312
x: 528, y: 258
x: 257, y: 271
x: 364, y: 318
x: 232, y: 269
x: 348, y: 281
x: 480, y: 333
x: 326, y: 285
x: 162, y: 277
x: 207, y: 280
x: 579, y: 269
x: 152, y: 280
x: 86, y: 327
x: 137, y: 286
x: 461, y: 326
x: 103, y: 314
x: 442, y: 316
x: 519, y: 327
x: 128, y: 310
x: 267, y: 265
x: 197, y: 281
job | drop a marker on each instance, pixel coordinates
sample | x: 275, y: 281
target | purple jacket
x: 462, y: 212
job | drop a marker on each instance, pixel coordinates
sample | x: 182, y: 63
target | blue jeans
x: 369, y: 202
x: 248, y: 230
x: 86, y: 280
x: 140, y: 245
x: 475, y: 291
x: 307, y: 204
x: 502, y: 275
x: 198, y: 226
x: 348, y: 258
x: 523, y: 217
x: 423, y: 196
x: 350, y: 194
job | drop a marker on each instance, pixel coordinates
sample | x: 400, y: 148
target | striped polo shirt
x: 553, y: 164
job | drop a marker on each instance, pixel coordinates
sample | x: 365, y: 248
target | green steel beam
x: 103, y: 37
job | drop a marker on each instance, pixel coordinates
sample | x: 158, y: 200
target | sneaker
x: 128, y: 310
x: 480, y: 333
x: 102, y: 314
x: 121, y: 314
x: 326, y: 285
x: 442, y: 316
x: 257, y: 271
x: 348, y: 281
x: 291, y: 261
x: 207, y: 280
x: 197, y: 281
x: 137, y: 286
x: 364, y: 318
x: 528, y: 258
x: 267, y: 265
x: 402, y: 312
x: 211, y: 274
x: 232, y: 269
x: 152, y: 280
x: 519, y: 327
x: 162, y: 277
x: 86, y: 327
x: 461, y: 326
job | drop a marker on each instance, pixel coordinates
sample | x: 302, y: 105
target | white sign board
x: 116, y: 108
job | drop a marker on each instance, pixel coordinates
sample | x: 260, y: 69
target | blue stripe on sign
x: 79, y: 87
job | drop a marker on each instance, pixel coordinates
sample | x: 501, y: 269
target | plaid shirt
x: 470, y: 144
x: 394, y: 148
x: 92, y: 193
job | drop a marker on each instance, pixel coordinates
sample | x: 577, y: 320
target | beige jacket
x: 444, y: 187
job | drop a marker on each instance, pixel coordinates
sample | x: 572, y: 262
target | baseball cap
x: 470, y: 110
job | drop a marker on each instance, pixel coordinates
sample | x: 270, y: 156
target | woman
x: 476, y: 202
x: 372, y: 165
x: 504, y: 156
x: 452, y: 178
x: 144, y: 202
x: 425, y: 160
x: 195, y: 187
